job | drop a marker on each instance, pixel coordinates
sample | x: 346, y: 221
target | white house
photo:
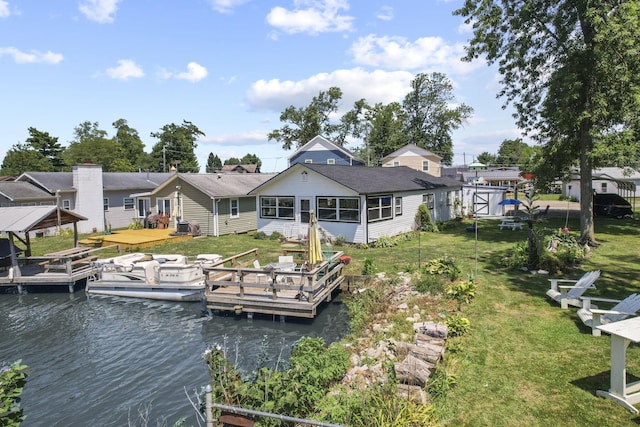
x: 359, y: 203
x: 607, y: 180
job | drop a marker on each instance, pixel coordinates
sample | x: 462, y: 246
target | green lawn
x: 526, y: 362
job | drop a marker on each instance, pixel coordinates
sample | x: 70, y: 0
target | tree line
x: 123, y: 152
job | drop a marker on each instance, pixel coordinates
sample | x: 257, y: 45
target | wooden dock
x: 235, y: 284
x: 69, y: 268
x: 136, y: 240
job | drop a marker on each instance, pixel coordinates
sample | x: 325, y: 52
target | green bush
x: 444, y: 266
x: 260, y: 235
x: 340, y: 240
x: 462, y: 292
x: 457, y: 325
x: 368, y: 269
x: 424, y: 221
x: 384, y: 242
x: 12, y: 381
x: 276, y: 235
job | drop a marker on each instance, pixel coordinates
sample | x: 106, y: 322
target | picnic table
x: 510, y: 223
x: 622, y: 334
x: 67, y: 259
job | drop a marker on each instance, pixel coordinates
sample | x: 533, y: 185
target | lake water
x: 99, y: 360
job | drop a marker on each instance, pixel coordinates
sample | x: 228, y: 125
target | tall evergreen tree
x: 214, y: 163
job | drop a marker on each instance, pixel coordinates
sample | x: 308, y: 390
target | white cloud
x: 226, y: 6
x: 311, y: 16
x: 195, y: 72
x: 101, y: 11
x: 4, y: 9
x: 425, y: 54
x: 32, y: 57
x: 125, y: 70
x: 374, y: 86
x: 385, y: 13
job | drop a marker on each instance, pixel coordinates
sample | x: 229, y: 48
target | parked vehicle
x: 612, y: 205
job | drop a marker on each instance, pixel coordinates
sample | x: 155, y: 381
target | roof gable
x: 320, y: 143
x: 410, y: 150
x: 220, y: 185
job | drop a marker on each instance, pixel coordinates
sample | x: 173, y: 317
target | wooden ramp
x: 235, y: 284
x: 134, y: 240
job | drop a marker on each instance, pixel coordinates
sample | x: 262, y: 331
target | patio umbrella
x: 315, y: 248
x: 510, y: 202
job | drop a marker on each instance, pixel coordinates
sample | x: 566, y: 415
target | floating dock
x: 236, y: 284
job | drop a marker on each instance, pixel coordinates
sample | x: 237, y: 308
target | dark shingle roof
x: 50, y: 181
x: 21, y: 190
x: 370, y: 180
x: 226, y: 185
x: 133, y: 180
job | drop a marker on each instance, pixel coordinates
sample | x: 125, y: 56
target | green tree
x: 22, y: 158
x: 251, y: 159
x: 514, y: 152
x: 233, y: 161
x: 303, y: 124
x: 384, y: 132
x: 572, y: 71
x: 176, y: 147
x: 214, y: 163
x: 48, y: 146
x: 132, y: 145
x: 487, y: 158
x: 91, y: 144
x: 430, y: 117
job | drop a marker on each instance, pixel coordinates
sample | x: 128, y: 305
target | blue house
x: 322, y: 151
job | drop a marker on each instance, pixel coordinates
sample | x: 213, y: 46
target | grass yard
x: 526, y: 362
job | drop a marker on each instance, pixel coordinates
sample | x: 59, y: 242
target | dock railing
x: 239, y: 272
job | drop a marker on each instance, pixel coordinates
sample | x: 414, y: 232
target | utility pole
x: 164, y: 158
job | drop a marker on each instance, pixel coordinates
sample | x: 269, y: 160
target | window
x: 66, y: 204
x: 603, y: 187
x: 331, y: 161
x: 164, y: 206
x: 234, y: 208
x: 425, y: 165
x: 449, y: 198
x: 308, y: 160
x: 396, y: 163
x: 144, y: 208
x: 276, y: 207
x: 429, y: 200
x: 338, y: 209
x: 128, y: 203
x: 398, y: 206
x: 105, y: 203
x: 379, y: 208
x: 305, y: 206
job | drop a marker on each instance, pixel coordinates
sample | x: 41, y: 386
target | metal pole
x: 475, y: 227
x: 209, y: 406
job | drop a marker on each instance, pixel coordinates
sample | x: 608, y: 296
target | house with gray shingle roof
x: 360, y: 204
x: 104, y: 198
x: 320, y: 150
x: 16, y: 193
x: 219, y: 203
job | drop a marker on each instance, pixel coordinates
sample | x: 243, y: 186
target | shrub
x: 457, y: 325
x: 340, y: 240
x: 368, y: 269
x: 444, y: 266
x: 12, y: 381
x: 462, y: 292
x: 384, y: 242
x: 260, y: 235
x: 424, y: 221
x: 276, y: 235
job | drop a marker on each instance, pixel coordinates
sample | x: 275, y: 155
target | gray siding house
x: 218, y: 203
x: 322, y: 151
x: 104, y: 198
x: 360, y: 204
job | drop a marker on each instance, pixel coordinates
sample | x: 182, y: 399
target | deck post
x: 70, y: 288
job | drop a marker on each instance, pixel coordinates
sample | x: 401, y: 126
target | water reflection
x: 96, y: 361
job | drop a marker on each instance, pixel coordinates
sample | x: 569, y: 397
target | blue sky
x: 230, y: 67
